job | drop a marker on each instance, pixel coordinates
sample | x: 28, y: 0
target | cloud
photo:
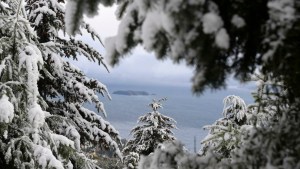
x: 145, y: 69
x: 105, y: 23
x: 140, y: 68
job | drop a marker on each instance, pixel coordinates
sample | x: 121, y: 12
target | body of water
x: 191, y: 112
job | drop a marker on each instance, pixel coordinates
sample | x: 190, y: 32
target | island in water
x: 132, y: 93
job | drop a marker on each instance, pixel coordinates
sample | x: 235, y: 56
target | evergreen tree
x: 268, y: 96
x: 43, y: 121
x: 273, y: 141
x: 225, y: 134
x: 267, y: 134
x: 229, y: 133
x: 154, y: 129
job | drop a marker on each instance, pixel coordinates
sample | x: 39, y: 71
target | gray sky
x: 140, y: 68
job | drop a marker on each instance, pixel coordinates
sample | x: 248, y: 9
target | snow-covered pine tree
x: 228, y: 133
x: 225, y: 134
x: 42, y: 114
x: 268, y: 133
x: 272, y: 142
x: 268, y: 97
x: 153, y: 129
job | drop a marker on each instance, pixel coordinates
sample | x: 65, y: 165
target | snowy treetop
x: 153, y: 128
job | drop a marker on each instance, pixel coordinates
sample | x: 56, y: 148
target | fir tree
x: 225, y: 134
x: 269, y: 96
x: 267, y: 133
x: 273, y: 141
x: 154, y: 129
x: 42, y: 114
x: 229, y: 133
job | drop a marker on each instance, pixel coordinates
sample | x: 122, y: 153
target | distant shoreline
x: 132, y: 93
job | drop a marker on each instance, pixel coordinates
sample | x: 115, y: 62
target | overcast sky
x: 139, y: 68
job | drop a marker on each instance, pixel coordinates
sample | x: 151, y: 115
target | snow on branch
x: 6, y: 110
x: 31, y: 59
x: 234, y: 107
x: 45, y: 158
x: 75, y: 10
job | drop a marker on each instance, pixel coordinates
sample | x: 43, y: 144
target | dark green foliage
x: 65, y: 151
x: 109, y: 162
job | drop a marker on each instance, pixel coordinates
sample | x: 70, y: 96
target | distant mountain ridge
x: 131, y: 93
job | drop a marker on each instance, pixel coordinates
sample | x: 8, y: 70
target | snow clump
x: 6, y: 110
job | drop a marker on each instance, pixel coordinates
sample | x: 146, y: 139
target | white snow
x: 57, y: 63
x: 73, y: 133
x: 270, y: 53
x: 3, y: 4
x: 36, y: 116
x: 45, y: 158
x: 155, y: 106
x: 45, y: 10
x: 3, y: 63
x: 152, y: 25
x: 111, y: 49
x: 211, y: 23
x: 282, y: 15
x: 38, y: 19
x: 177, y: 49
x: 227, y: 136
x: 170, y: 155
x: 222, y: 39
x: 5, y: 134
x: 60, y: 139
x: 238, y: 21
x: 234, y: 105
x: 285, y: 10
x: 30, y: 58
x: 123, y: 30
x: 69, y: 165
x: 69, y: 16
x: 6, y: 110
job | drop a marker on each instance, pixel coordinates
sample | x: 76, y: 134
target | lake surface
x: 191, y: 112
